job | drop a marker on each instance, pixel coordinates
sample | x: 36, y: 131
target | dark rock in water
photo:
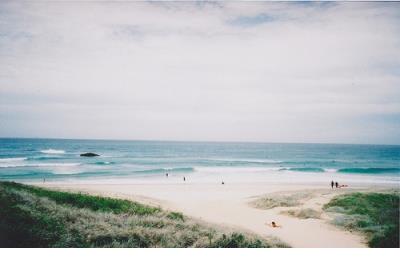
x: 89, y: 155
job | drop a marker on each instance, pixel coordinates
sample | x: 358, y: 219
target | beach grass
x: 281, y: 200
x: 96, y: 203
x: 37, y: 217
x: 303, y: 213
x: 374, y: 214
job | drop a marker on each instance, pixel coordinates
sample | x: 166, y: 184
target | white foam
x: 14, y: 165
x: 66, y: 170
x: 330, y: 170
x: 237, y: 169
x: 52, y: 151
x: 57, y: 164
x: 247, y: 160
x: 7, y: 160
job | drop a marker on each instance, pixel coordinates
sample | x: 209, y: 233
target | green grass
x: 37, y: 217
x: 236, y: 241
x: 375, y: 214
x: 176, y: 216
x: 96, y: 203
x: 21, y: 226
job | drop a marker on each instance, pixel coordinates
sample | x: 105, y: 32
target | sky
x: 201, y: 71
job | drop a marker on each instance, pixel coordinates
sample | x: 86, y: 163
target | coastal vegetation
x: 282, y: 200
x: 37, y: 217
x: 374, y: 214
x: 303, y: 213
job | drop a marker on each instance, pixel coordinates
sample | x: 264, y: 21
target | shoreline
x: 229, y: 205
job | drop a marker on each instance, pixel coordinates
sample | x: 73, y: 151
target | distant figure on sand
x: 166, y: 174
x: 223, y: 183
x: 336, y: 184
x: 274, y: 225
x: 184, y: 179
x: 332, y: 184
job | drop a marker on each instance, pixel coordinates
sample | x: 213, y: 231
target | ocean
x: 59, y: 159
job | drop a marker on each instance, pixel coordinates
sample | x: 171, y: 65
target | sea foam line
x: 52, y: 151
x: 12, y: 159
x: 39, y: 165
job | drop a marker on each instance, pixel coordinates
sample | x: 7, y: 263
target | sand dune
x: 230, y: 205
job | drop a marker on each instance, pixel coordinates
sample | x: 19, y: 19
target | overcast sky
x: 273, y: 72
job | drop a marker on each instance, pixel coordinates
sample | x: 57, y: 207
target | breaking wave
x: 304, y: 169
x: 15, y: 165
x: 166, y: 170
x: 52, y: 151
x: 12, y: 159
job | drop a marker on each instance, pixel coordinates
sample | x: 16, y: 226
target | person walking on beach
x: 184, y: 179
x: 166, y: 175
x: 332, y: 184
x: 336, y: 184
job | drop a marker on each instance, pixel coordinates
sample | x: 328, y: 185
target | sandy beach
x: 230, y: 205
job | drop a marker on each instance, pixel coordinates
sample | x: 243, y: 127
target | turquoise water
x: 53, y: 159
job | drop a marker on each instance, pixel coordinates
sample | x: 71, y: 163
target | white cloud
x: 186, y: 71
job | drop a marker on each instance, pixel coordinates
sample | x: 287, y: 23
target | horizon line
x: 198, y: 141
